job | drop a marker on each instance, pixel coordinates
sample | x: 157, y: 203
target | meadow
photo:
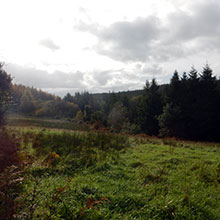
x: 95, y: 175
x: 31, y: 121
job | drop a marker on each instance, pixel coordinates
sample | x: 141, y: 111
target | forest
x: 187, y: 107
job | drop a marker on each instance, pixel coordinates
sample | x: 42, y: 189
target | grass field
x: 90, y: 175
x: 31, y: 121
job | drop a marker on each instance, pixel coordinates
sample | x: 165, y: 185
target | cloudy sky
x: 65, y: 46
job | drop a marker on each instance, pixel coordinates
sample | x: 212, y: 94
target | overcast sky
x: 65, y: 46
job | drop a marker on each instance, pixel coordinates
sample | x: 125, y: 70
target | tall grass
x: 90, y: 175
x: 77, y: 149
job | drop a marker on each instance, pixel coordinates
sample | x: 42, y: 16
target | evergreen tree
x: 150, y: 108
x: 190, y: 102
x: 184, y: 77
x: 173, y: 93
x: 193, y: 74
x: 68, y: 98
x: 207, y: 74
x: 208, y: 111
x: 170, y: 121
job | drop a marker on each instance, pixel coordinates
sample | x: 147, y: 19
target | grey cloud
x: 129, y: 41
x: 125, y: 41
x: 60, y: 83
x: 102, y: 77
x: 154, y: 70
x: 190, y: 33
x: 128, y: 86
x: 93, y: 28
x: 62, y: 91
x: 48, y: 43
x: 118, y: 85
x: 181, y: 34
x: 42, y: 79
x: 202, y: 21
x: 124, y: 79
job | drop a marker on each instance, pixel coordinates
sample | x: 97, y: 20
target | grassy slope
x: 141, y: 179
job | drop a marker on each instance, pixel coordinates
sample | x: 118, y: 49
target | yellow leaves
x: 55, y: 155
x: 51, y: 159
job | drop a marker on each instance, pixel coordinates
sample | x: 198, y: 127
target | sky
x: 63, y: 46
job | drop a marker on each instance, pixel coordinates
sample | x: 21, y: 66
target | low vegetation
x: 96, y: 175
x: 31, y: 121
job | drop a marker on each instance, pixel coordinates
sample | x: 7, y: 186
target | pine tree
x: 170, y: 121
x: 150, y: 108
x: 208, y: 111
x: 207, y: 74
x: 174, y: 89
x: 193, y: 74
x: 184, y: 77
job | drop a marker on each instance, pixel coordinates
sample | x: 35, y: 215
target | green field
x: 95, y: 175
x: 24, y: 121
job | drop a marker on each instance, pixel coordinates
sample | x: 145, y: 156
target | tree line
x: 187, y: 107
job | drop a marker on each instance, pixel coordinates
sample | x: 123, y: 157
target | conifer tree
x: 208, y: 108
x: 150, y: 108
x: 193, y: 74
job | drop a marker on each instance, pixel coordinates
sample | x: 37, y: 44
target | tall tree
x: 193, y: 74
x: 5, y: 92
x: 207, y: 74
x: 68, y: 98
x: 174, y: 89
x: 208, y: 104
x: 150, y: 108
x: 171, y: 121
